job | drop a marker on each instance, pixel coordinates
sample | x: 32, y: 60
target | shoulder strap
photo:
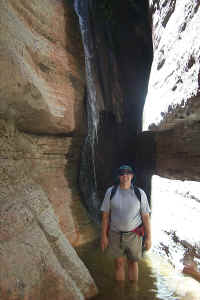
x: 137, y: 192
x: 113, y: 191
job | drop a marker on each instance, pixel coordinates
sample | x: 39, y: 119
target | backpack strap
x: 113, y: 191
x: 137, y: 192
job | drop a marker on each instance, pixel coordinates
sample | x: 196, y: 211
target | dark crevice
x: 120, y: 40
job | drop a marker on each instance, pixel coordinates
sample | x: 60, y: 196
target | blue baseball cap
x: 125, y: 169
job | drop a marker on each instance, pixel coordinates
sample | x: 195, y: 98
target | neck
x: 125, y: 186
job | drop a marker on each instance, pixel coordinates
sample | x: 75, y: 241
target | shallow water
x: 157, y: 279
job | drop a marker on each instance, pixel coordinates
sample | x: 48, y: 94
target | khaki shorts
x: 125, y: 244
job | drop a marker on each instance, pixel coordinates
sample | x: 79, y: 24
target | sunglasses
x: 125, y: 173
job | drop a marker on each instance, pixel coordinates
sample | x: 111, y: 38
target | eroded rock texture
x: 42, y: 61
x: 41, y: 133
x: 173, y: 99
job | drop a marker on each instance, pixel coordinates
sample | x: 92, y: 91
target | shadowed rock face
x: 120, y: 42
x: 41, y: 133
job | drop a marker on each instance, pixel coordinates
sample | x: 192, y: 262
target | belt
x: 138, y: 230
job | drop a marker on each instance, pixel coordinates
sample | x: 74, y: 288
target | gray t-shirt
x: 125, y: 208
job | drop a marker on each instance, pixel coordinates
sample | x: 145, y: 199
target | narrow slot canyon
x: 86, y: 86
x: 117, y: 40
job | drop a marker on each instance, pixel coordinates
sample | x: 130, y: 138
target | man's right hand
x: 104, y: 243
x: 104, y: 230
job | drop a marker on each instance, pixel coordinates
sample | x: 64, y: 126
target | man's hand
x: 104, y: 230
x: 104, y: 243
x: 147, y: 229
x: 191, y: 270
x: 147, y: 243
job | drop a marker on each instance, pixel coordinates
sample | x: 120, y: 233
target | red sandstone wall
x: 41, y: 92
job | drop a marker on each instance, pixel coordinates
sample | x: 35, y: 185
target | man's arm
x: 104, y: 230
x: 147, y: 229
x: 190, y: 270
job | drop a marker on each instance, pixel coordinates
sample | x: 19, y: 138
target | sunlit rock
x: 172, y: 107
x: 42, y: 83
x: 173, y: 94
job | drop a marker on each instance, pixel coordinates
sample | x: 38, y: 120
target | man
x: 122, y: 217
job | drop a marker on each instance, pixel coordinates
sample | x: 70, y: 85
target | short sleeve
x: 106, y: 202
x: 145, y: 209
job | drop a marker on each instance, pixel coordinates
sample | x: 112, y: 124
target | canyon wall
x: 42, y: 128
x: 172, y: 110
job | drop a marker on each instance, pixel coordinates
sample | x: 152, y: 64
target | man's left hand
x: 147, y: 243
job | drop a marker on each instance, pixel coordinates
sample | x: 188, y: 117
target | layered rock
x: 41, y: 55
x: 177, y: 152
x: 41, y: 133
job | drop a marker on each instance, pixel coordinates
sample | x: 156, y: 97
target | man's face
x: 125, y: 178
